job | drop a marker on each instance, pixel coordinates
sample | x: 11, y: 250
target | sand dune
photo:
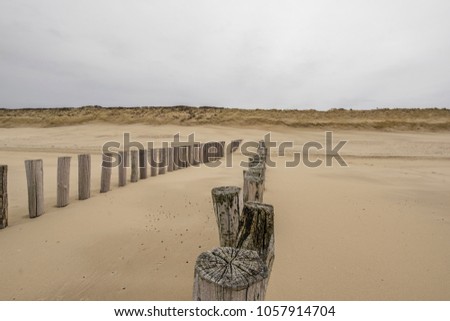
x: 430, y: 119
x: 378, y: 229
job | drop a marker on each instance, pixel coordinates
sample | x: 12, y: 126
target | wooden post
x: 200, y: 153
x: 153, y: 154
x: 226, y: 207
x: 258, y: 171
x: 235, y: 144
x: 219, y: 149
x: 215, y: 149
x: 179, y: 159
x: 176, y: 156
x: 105, y: 182
x: 244, y: 187
x: 255, y: 161
x: 229, y: 274
x: 222, y: 149
x: 3, y: 196
x: 143, y: 172
x: 134, y: 166
x: 190, y: 155
x: 210, y: 152
x: 229, y: 148
x: 187, y: 149
x: 162, y: 160
x: 123, y: 168
x: 84, y: 176
x: 183, y: 157
x: 253, y: 188
x: 196, y: 154
x: 35, y: 182
x: 63, y: 181
x: 170, y: 159
x: 256, y: 231
x: 205, y: 147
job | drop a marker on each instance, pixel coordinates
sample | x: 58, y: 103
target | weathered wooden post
x: 35, y: 182
x: 187, y: 150
x: 244, y: 186
x: 3, y: 196
x: 204, y: 152
x: 229, y: 274
x: 259, y: 171
x: 153, y: 154
x: 123, y: 168
x: 200, y: 153
x: 176, y: 158
x: 183, y: 157
x: 262, y: 149
x: 190, y: 155
x: 222, y: 147
x: 162, y: 160
x: 196, y: 154
x: 143, y: 172
x: 256, y: 161
x: 235, y: 144
x: 180, y: 164
x: 105, y: 180
x: 63, y: 181
x: 256, y: 231
x: 253, y: 188
x: 84, y: 176
x: 215, y: 151
x: 226, y: 207
x: 211, y: 152
x: 134, y: 166
x: 219, y: 150
x: 170, y: 159
x: 229, y: 148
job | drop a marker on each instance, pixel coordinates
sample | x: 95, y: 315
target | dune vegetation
x: 426, y: 119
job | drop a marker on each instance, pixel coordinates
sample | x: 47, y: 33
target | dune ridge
x: 398, y: 119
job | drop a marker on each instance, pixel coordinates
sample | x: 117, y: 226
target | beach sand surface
x: 377, y: 229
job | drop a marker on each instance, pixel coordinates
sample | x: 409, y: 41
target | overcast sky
x: 269, y: 54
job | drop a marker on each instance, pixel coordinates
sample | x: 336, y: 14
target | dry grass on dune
x: 431, y: 119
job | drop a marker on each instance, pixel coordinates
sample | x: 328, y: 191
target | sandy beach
x: 378, y: 229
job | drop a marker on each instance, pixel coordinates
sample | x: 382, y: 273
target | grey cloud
x: 260, y: 53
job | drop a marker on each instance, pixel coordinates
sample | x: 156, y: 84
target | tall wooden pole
x: 170, y: 159
x: 143, y: 164
x: 63, y: 181
x: 176, y: 158
x: 190, y: 157
x: 123, y: 168
x: 162, y: 160
x: 153, y: 154
x: 84, y: 176
x: 196, y: 154
x: 105, y: 180
x: 3, y: 196
x: 35, y: 182
x: 134, y: 166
